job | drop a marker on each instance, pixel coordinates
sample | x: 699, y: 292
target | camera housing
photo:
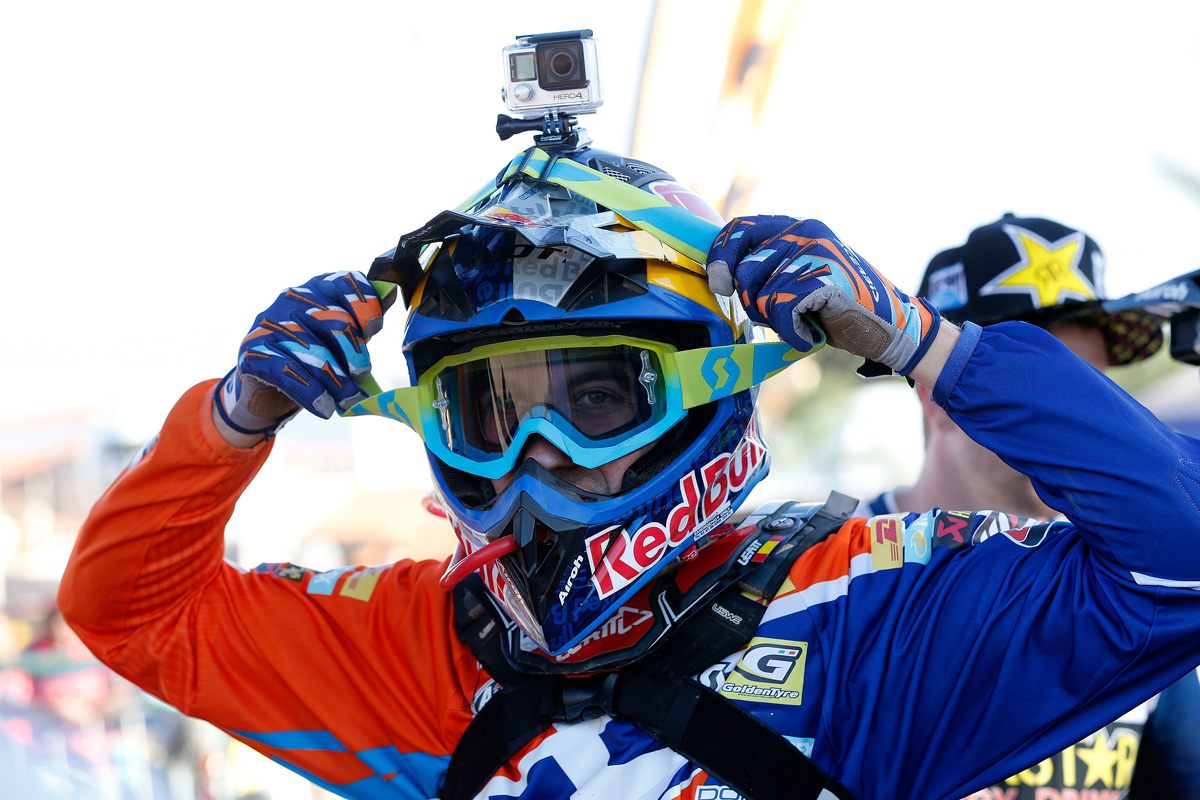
x: 547, y: 72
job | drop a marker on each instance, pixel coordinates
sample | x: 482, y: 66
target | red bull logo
x: 704, y: 506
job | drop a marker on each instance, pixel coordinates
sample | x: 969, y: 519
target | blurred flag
x: 707, y: 81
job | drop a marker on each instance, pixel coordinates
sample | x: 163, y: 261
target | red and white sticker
x: 705, y: 505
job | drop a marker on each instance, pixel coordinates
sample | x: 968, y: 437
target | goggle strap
x: 712, y: 373
x: 402, y: 405
x: 706, y: 374
x: 383, y: 288
x: 369, y: 385
x: 688, y: 233
x: 480, y: 195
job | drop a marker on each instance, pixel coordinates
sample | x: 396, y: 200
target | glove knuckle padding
x: 307, y: 344
x: 372, y: 326
x: 720, y: 278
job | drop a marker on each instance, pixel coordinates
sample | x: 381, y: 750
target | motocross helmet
x: 567, y: 299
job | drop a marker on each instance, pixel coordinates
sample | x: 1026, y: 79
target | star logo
x: 1100, y: 760
x: 1047, y: 271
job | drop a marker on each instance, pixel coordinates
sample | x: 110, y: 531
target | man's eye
x: 592, y: 398
x: 598, y: 398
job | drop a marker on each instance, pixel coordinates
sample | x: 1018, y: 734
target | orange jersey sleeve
x: 348, y: 676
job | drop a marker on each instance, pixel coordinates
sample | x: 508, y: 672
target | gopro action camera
x: 547, y: 72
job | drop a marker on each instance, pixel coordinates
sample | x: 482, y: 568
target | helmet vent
x: 605, y: 288
x: 640, y: 168
x: 513, y: 317
x: 439, y: 305
x: 614, y: 173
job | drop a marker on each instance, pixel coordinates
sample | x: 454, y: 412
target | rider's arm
x: 1129, y: 483
x: 277, y: 655
x: 929, y: 369
x: 1069, y: 624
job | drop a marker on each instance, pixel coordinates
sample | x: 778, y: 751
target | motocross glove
x: 305, y: 351
x: 788, y: 271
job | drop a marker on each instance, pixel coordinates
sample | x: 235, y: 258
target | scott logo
x: 630, y: 555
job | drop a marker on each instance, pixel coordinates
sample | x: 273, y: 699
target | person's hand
x: 785, y: 269
x: 305, y: 351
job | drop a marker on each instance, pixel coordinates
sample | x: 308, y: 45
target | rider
x: 586, y: 402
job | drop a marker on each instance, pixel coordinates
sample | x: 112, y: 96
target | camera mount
x: 559, y: 131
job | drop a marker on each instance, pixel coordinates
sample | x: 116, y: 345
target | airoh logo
x: 562, y: 596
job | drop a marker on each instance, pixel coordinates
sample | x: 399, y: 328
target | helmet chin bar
x: 529, y: 545
x: 543, y: 543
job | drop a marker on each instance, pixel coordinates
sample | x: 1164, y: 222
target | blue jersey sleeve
x: 1130, y: 484
x: 960, y: 649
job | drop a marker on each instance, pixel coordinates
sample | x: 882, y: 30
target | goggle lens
x: 597, y: 396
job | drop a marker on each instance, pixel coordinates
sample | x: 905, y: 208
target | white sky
x: 168, y: 167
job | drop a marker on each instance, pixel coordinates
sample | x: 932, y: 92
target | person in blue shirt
x: 1051, y: 275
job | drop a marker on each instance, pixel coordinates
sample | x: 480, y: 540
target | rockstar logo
x: 1047, y: 271
x: 1100, y: 760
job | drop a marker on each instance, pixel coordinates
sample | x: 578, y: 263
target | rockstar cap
x: 1037, y: 271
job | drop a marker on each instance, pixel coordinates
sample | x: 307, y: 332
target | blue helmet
x: 567, y: 300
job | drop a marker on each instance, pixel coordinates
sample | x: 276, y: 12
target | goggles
x: 595, y: 398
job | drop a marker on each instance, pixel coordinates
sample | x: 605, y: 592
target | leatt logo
x: 618, y: 624
x: 750, y: 552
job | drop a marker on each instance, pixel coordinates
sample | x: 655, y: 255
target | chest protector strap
x: 654, y: 692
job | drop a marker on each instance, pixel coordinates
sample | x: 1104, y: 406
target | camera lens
x: 562, y: 64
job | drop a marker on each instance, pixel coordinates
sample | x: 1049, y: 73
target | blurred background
x: 168, y: 168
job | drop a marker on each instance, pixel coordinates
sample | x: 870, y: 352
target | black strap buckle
x: 587, y: 698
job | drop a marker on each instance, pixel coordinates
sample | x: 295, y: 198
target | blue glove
x: 787, y: 269
x: 305, y: 351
